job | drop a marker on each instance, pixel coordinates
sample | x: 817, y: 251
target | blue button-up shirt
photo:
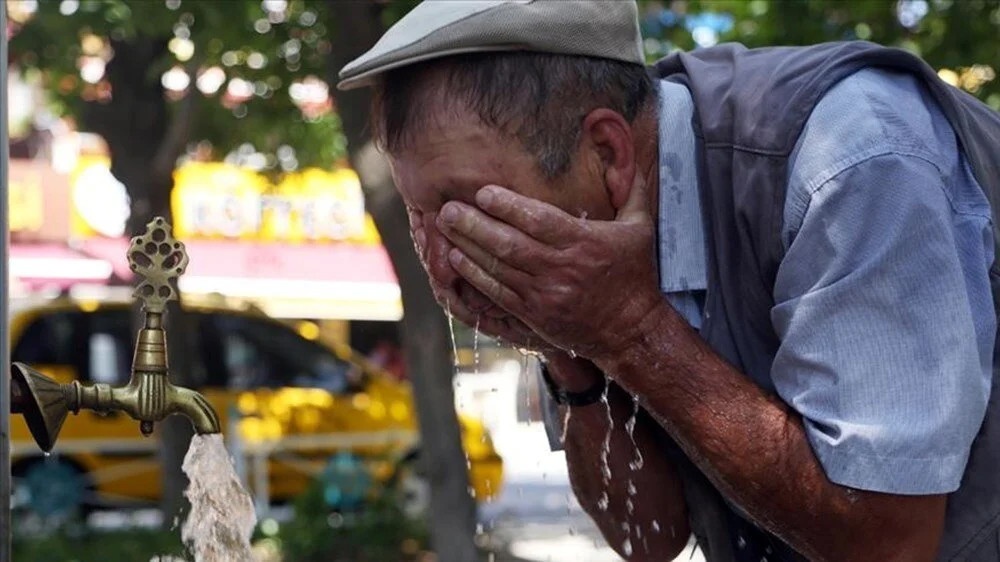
x: 882, y: 302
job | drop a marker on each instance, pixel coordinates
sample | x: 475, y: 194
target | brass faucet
x: 149, y: 396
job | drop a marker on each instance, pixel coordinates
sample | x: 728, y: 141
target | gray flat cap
x: 438, y: 28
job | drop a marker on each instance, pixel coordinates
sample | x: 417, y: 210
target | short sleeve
x: 885, y: 318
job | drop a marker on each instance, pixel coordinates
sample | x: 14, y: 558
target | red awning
x: 54, y: 265
x: 291, y: 272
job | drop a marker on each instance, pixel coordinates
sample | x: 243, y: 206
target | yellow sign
x: 213, y: 200
x: 27, y: 210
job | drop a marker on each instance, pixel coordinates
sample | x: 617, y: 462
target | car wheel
x: 50, y: 488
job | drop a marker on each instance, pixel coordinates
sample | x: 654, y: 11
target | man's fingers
x: 507, y: 327
x: 497, y: 268
x: 491, y: 235
x: 484, y: 282
x: 543, y: 222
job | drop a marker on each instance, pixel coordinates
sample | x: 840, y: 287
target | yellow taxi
x: 287, y: 404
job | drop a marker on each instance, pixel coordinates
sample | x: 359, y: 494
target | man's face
x: 452, y: 161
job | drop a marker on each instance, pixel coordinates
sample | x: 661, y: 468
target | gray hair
x: 537, y: 98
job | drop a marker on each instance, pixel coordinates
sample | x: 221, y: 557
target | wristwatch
x: 566, y: 398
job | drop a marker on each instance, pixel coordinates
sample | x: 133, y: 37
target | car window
x: 109, y: 347
x: 53, y: 339
x: 258, y: 353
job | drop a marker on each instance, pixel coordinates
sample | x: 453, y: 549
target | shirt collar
x: 681, y: 235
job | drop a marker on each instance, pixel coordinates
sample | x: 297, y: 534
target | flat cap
x: 438, y: 28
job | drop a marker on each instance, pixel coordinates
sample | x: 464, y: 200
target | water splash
x: 222, y: 517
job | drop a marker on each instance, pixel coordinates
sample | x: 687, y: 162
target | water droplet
x: 741, y: 542
x: 47, y: 454
x: 627, y: 547
x: 602, y: 502
x: 655, y: 526
x: 572, y: 354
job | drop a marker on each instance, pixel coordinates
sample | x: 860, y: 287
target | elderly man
x: 784, y: 255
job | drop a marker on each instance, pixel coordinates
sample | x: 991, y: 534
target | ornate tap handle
x: 160, y: 259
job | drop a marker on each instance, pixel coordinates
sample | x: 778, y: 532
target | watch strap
x: 575, y: 399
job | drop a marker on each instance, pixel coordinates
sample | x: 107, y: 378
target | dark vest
x: 751, y: 106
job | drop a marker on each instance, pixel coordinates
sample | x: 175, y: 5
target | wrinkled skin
x: 546, y: 264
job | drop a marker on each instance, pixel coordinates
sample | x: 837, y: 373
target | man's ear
x: 611, y: 136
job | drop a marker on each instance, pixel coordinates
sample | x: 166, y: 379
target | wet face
x: 452, y: 160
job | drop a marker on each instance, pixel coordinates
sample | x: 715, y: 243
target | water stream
x: 451, y: 330
x: 222, y: 517
x: 475, y: 347
x: 633, y: 465
x: 602, y: 502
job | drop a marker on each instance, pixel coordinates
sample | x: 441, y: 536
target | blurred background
x: 365, y: 425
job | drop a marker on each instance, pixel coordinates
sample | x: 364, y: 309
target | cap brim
x: 370, y: 76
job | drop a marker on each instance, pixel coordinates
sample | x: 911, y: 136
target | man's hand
x: 466, y: 303
x: 585, y: 286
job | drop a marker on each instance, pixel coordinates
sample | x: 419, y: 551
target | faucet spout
x: 197, y: 409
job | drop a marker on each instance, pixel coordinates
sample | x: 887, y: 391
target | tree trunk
x: 144, y: 141
x: 426, y: 339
